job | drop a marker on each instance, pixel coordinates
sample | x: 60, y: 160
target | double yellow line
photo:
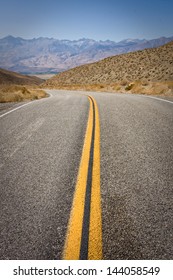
x: 84, y: 234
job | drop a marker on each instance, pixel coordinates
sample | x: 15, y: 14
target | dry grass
x: 17, y: 93
x: 15, y: 87
x: 153, y: 88
x: 138, y: 87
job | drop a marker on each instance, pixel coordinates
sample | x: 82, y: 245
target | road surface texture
x: 41, y: 145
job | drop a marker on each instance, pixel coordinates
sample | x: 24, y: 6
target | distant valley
x: 49, y: 55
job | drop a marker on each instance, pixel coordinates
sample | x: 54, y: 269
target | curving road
x: 40, y: 149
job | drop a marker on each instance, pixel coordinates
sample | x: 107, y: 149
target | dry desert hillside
x: 15, y: 87
x: 9, y: 77
x: 146, y: 71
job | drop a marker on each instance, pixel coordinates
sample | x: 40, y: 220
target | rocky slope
x: 122, y: 72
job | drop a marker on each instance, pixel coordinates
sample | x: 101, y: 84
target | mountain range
x: 49, y: 55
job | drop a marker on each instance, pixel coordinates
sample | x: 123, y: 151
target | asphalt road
x: 40, y: 149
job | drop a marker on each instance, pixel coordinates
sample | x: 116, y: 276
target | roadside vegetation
x: 15, y: 87
x: 138, y: 87
x: 18, y: 93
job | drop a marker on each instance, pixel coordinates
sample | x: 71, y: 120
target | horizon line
x: 83, y: 38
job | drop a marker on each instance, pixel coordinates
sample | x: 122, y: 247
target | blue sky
x: 96, y: 19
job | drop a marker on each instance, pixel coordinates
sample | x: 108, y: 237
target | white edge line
x: 15, y: 109
x: 47, y: 91
x: 158, y: 98
x: 21, y: 107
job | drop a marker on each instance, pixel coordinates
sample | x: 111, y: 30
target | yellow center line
x: 74, y: 233
x: 95, y: 230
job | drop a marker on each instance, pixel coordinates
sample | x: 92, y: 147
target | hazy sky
x: 96, y: 19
